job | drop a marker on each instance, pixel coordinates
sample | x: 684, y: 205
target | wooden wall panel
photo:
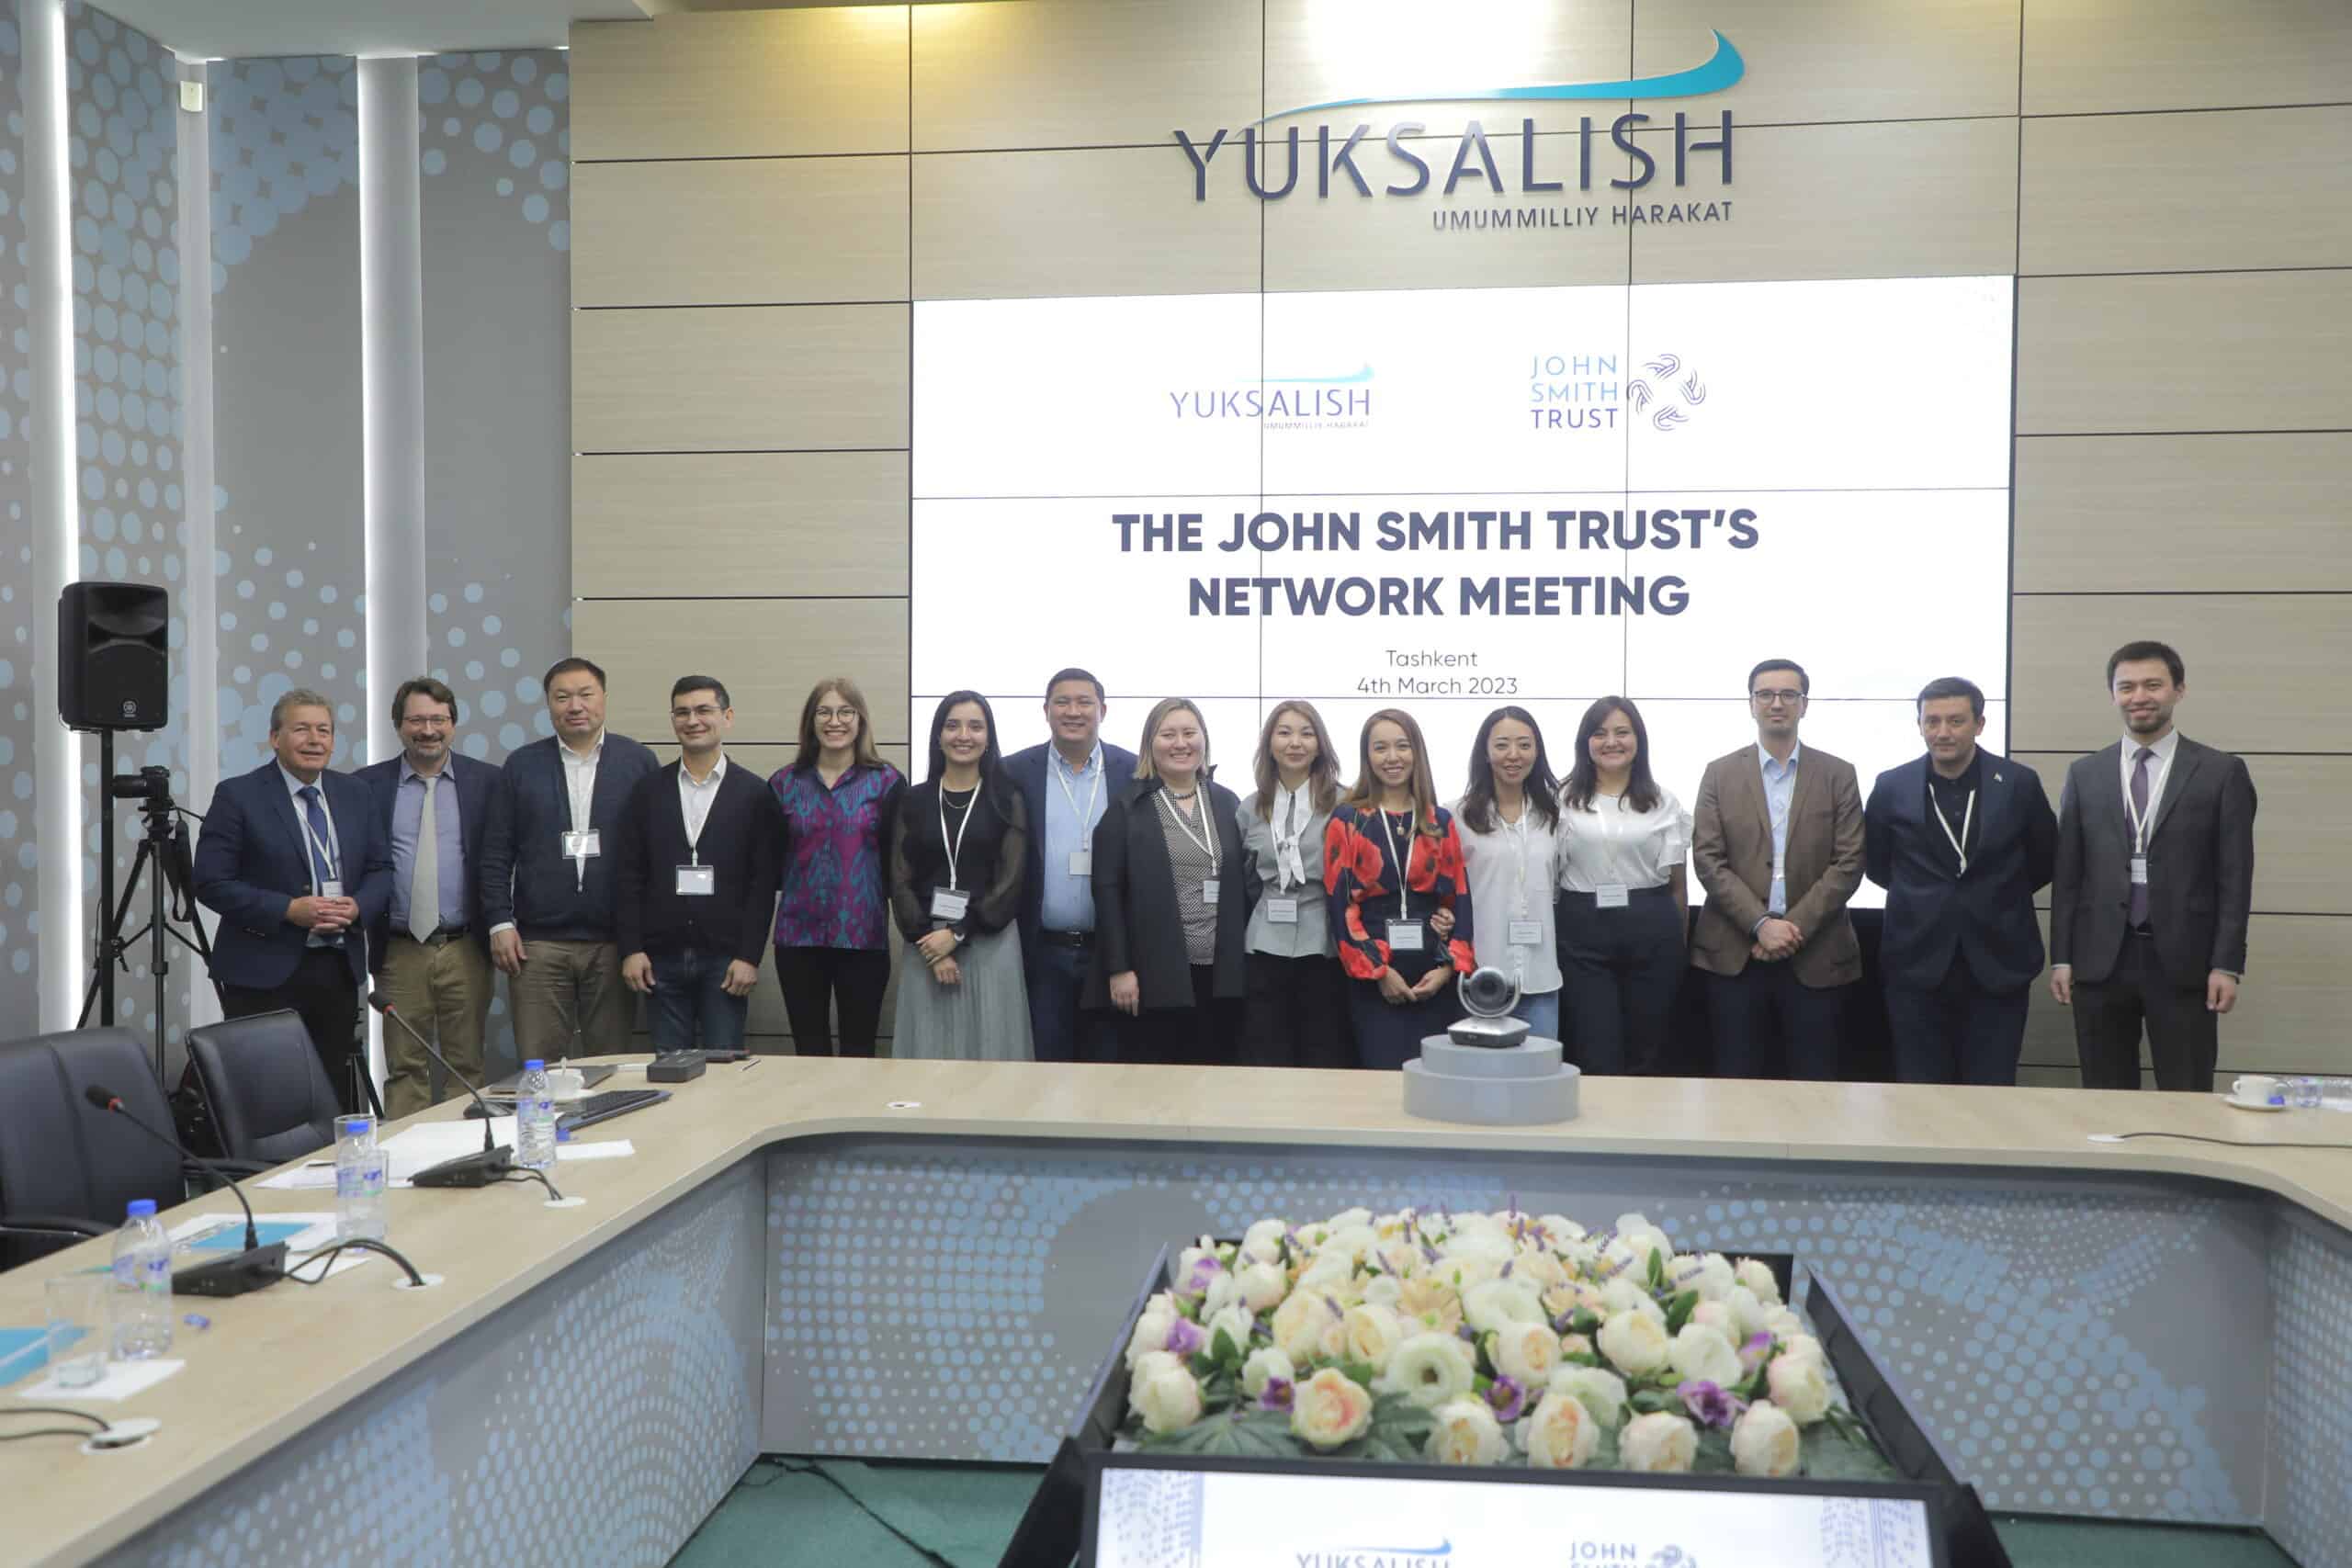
x: 774, y: 378
x: 2220, y: 513
x: 1810, y: 61
x: 1919, y: 198
x: 1103, y: 220
x: 767, y: 652
x: 740, y: 232
x: 753, y: 83
x: 2214, y: 351
x: 1083, y: 74
x: 2183, y: 192
x: 2263, y: 669
x: 2296, y: 870
x: 1330, y: 51
x: 2098, y: 56
x: 801, y: 524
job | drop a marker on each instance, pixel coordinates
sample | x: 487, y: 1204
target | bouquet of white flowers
x: 1504, y: 1339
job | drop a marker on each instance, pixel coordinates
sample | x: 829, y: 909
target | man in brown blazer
x: 1777, y: 839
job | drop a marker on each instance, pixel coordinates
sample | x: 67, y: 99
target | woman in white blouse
x: 1624, y: 908
x: 1296, y: 1010
x: 1510, y: 822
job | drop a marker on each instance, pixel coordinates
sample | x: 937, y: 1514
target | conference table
x: 928, y: 1261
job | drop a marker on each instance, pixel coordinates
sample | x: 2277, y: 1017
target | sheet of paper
x: 226, y: 1233
x: 23, y: 1351
x: 608, y: 1148
x: 122, y: 1381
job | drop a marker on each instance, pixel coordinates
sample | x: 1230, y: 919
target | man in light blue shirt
x: 1066, y: 782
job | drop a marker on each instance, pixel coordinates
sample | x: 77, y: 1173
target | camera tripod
x: 164, y: 851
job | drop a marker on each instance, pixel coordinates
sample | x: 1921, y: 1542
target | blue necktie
x: 319, y: 835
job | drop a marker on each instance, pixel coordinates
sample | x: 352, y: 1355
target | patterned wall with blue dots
x: 19, y: 854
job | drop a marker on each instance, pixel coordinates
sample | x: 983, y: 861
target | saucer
x: 2234, y: 1104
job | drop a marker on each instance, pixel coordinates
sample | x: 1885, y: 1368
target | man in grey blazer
x: 2154, y: 880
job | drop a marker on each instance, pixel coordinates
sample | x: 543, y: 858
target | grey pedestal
x: 1524, y: 1085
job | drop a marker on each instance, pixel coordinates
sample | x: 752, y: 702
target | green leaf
x: 1650, y: 1402
x: 1580, y: 1359
x: 1714, y: 1453
x: 1678, y: 1312
x: 1202, y: 1365
x: 1360, y: 1373
x: 1480, y: 1383
x: 1223, y: 1350
x: 1833, y: 1455
x: 1658, y: 1270
x: 1584, y: 1320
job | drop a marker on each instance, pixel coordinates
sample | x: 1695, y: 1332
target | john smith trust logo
x: 1672, y: 387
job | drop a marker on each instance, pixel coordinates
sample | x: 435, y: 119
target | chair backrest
x: 60, y: 1155
x: 270, y: 1097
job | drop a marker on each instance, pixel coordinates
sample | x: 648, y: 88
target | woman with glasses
x: 1509, y: 821
x: 832, y: 923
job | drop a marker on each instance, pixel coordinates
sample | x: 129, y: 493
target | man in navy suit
x: 432, y: 954
x: 292, y: 860
x: 1066, y: 782
x: 1960, y: 839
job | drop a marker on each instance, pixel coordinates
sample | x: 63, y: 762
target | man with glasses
x: 1777, y: 839
x: 431, y: 952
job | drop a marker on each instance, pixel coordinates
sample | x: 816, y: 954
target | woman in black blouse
x: 955, y: 870
x: 1171, y: 900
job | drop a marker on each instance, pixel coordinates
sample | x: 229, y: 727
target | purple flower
x: 1184, y: 1338
x: 1277, y: 1395
x: 1337, y: 1310
x: 1709, y: 1403
x: 1205, y: 1269
x: 1429, y: 1254
x: 1752, y: 1354
x: 1564, y: 1324
x: 1508, y: 1399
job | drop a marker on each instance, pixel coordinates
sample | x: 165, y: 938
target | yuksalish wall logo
x: 1340, y: 402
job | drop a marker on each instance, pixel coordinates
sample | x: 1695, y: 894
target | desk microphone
x: 233, y: 1276
x: 483, y: 1169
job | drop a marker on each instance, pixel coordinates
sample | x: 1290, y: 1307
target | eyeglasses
x: 828, y: 715
x: 425, y: 721
x: 1776, y: 697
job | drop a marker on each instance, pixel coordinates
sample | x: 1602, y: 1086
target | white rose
x: 1152, y: 1331
x: 1559, y: 1433
x: 1168, y: 1402
x: 1525, y: 1353
x: 1298, y: 1325
x: 1764, y: 1441
x: 1371, y: 1333
x: 1803, y: 1347
x: 1190, y: 1259
x: 1355, y: 1243
x: 1490, y: 1244
x: 1718, y: 1316
x: 1601, y: 1390
x: 1262, y: 1286
x: 1262, y: 1242
x: 1758, y: 1276
x: 1224, y: 1291
x: 1708, y: 1273
x: 1467, y: 1433
x: 1634, y: 1343
x: 1783, y: 1325
x: 1658, y: 1444
x: 1265, y: 1363
x: 1800, y: 1387
x: 1429, y: 1369
x: 1386, y: 1290
x: 1150, y: 1365
x: 1560, y: 1228
x: 1747, y: 1314
x: 1540, y: 1269
x: 1328, y: 1409
x: 1236, y: 1323
x: 1347, y: 1219
x: 1400, y: 1256
x: 1624, y: 1294
x: 1330, y: 1270
x: 1701, y: 1354
x: 1498, y: 1304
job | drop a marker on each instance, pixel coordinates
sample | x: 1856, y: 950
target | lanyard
x: 1959, y: 845
x: 1518, y: 831
x: 1093, y: 787
x: 1289, y: 864
x: 2142, y: 825
x: 1205, y: 841
x: 326, y: 855
x: 579, y: 785
x: 699, y: 799
x: 1405, y: 861
x: 956, y: 846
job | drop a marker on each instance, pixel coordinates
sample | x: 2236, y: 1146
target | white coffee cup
x: 566, y: 1083
x: 2256, y: 1089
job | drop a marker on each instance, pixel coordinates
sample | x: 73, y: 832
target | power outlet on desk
x: 675, y: 1067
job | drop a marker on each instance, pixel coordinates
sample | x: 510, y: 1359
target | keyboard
x: 604, y: 1107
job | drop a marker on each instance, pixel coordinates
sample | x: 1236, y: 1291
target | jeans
x: 688, y: 1009
x: 1059, y: 1029
x: 1542, y: 1013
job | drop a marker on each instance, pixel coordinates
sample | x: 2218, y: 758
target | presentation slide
x: 1448, y: 501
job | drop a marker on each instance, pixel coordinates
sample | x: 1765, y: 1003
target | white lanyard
x: 326, y: 855
x: 956, y: 846
x: 1093, y: 787
x: 1404, y: 862
x: 1205, y: 842
x: 700, y: 796
x: 1289, y: 863
x: 2141, y: 825
x: 1966, y: 816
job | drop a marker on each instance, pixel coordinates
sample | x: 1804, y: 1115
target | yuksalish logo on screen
x: 1282, y: 402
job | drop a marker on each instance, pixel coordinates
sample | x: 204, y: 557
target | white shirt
x: 694, y: 800
x: 1293, y: 819
x: 2159, y: 769
x: 580, y: 778
x: 1610, y: 844
x: 1512, y: 871
x: 294, y: 788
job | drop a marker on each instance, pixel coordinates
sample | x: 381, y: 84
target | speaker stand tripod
x: 163, y: 851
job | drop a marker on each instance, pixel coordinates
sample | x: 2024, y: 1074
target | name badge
x: 1208, y: 891
x: 582, y: 845
x: 1082, y: 862
x: 1527, y: 933
x: 1283, y: 911
x: 946, y: 904
x: 1610, y: 895
x: 2139, y: 871
x: 1404, y: 936
x: 698, y: 881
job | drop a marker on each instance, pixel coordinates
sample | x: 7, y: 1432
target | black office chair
x: 270, y: 1098
x: 67, y: 1168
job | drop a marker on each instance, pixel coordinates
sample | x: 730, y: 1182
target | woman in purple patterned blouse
x: 833, y: 925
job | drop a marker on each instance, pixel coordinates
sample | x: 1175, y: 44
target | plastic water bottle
x: 2311, y: 1093
x: 534, y: 1119
x: 361, y: 1206
x: 142, y: 1310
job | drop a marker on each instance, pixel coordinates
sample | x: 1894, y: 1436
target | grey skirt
x: 984, y: 1017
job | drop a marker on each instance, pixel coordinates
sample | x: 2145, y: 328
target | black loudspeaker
x: 112, y: 669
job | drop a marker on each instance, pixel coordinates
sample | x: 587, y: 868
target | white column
x: 56, y: 516
x: 392, y: 357
x: 200, y: 603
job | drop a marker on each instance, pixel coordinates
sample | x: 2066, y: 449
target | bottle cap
x: 141, y: 1208
x: 535, y: 1066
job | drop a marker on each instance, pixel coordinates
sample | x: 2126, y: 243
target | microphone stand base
x: 483, y: 1169
x: 233, y: 1276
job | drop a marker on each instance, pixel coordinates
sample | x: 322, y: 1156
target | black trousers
x: 1620, y: 970
x: 1202, y: 1035
x: 815, y: 980
x: 1765, y: 1005
x: 2184, y: 1035
x: 1296, y: 1013
x: 321, y: 990
x: 1955, y: 1032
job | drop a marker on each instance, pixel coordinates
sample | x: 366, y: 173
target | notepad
x: 231, y: 1237
x: 23, y: 1351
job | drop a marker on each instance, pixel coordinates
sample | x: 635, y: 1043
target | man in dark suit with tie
x: 1960, y: 839
x: 2154, y: 882
x: 431, y: 953
x: 292, y: 860
x: 1067, y: 782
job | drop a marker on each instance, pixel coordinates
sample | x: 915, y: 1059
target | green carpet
x: 796, y: 1510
